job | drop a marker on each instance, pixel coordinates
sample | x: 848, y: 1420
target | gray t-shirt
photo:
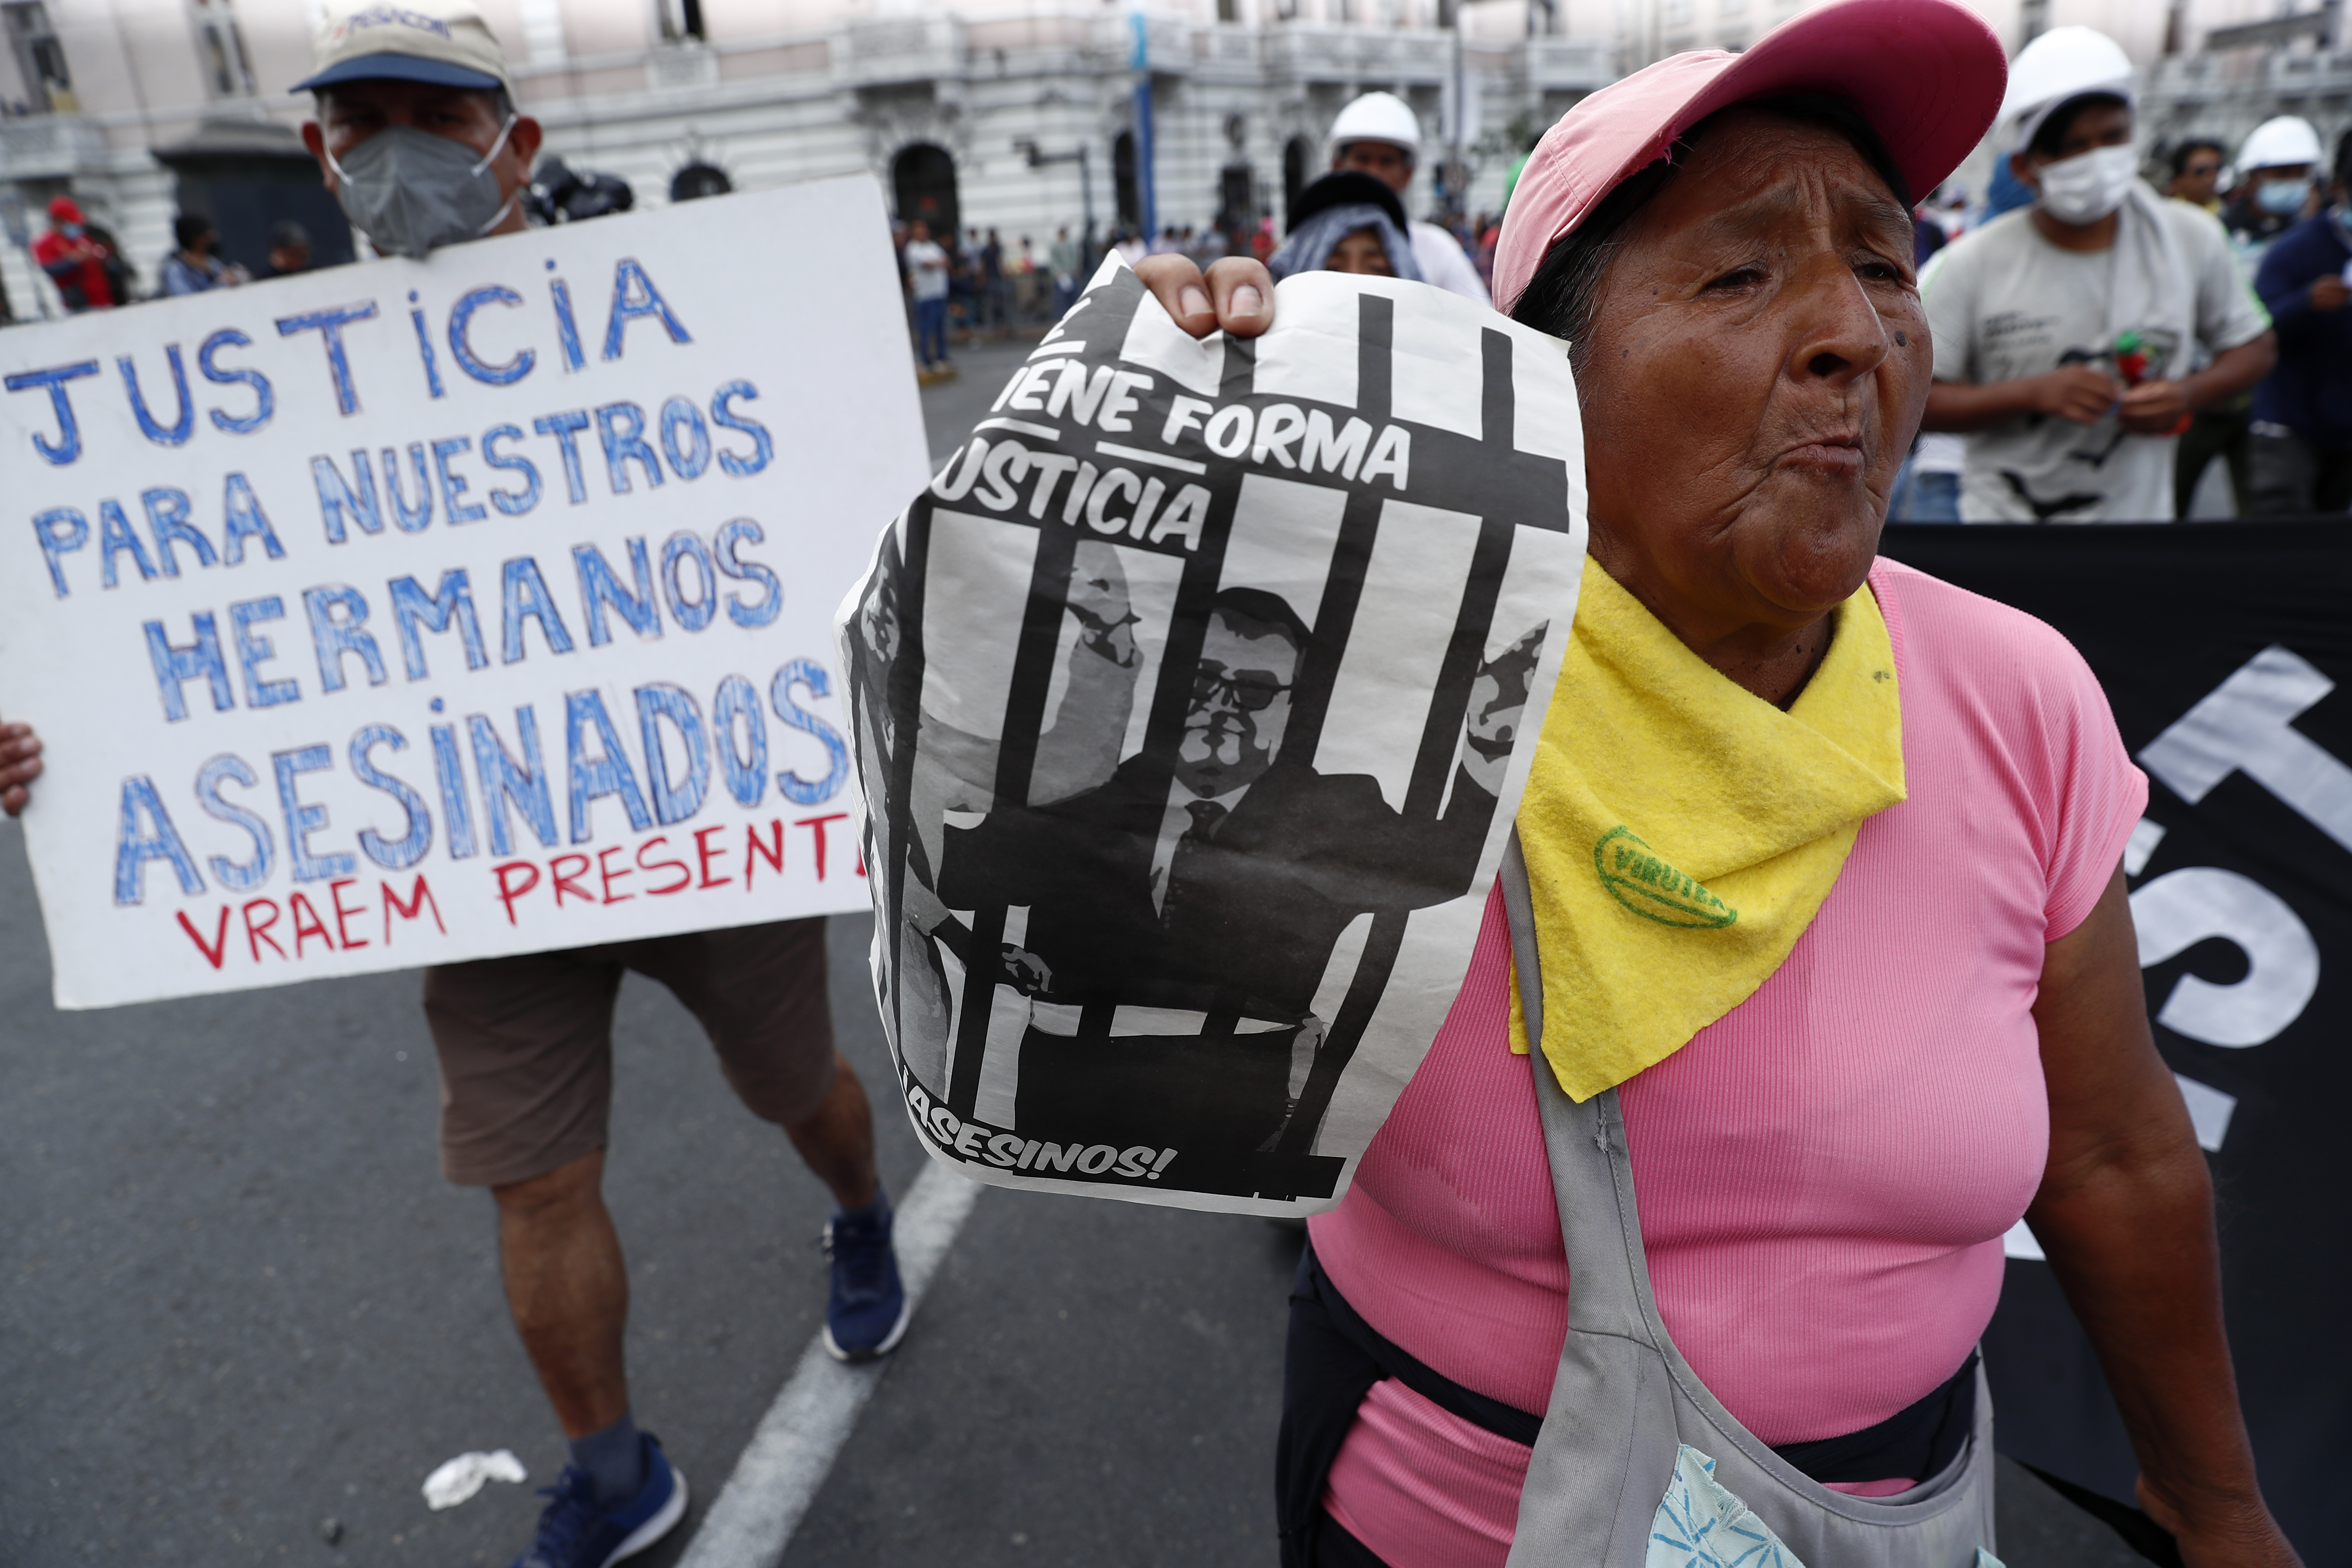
x: 2004, y: 304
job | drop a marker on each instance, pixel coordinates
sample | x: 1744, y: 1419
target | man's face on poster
x: 1240, y: 706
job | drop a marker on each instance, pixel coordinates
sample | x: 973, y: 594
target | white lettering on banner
x: 2245, y: 724
x: 2183, y: 908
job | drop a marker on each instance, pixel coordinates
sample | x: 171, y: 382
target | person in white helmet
x: 2275, y: 189
x: 1379, y: 135
x: 2066, y: 333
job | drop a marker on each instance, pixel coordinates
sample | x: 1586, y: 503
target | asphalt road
x: 241, y: 1317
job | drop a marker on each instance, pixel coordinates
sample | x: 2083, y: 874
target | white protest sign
x: 415, y: 612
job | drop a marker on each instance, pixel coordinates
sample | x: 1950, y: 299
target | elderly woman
x: 1926, y: 1019
x: 1346, y: 222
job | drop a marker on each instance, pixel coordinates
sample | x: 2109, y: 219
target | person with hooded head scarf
x: 1814, y: 927
x: 1346, y: 222
x: 2068, y: 334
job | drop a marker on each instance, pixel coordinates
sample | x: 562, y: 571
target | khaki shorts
x: 526, y: 1043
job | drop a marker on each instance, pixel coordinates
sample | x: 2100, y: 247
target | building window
x: 40, y: 59
x: 2034, y: 17
x: 1125, y: 197
x: 220, y: 50
x: 1229, y: 10
x: 681, y: 20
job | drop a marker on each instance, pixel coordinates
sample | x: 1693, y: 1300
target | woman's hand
x: 20, y: 764
x: 1236, y: 296
x: 2241, y: 1535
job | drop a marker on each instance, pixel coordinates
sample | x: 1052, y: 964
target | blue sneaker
x: 866, y: 1315
x: 579, y: 1529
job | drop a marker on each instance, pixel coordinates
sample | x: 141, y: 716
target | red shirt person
x: 75, y: 259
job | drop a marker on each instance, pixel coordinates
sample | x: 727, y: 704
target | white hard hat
x: 2276, y: 143
x: 1377, y: 117
x: 2062, y: 64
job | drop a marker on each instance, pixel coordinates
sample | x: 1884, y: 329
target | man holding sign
x: 418, y: 138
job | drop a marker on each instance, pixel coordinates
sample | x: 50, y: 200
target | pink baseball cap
x: 1928, y: 74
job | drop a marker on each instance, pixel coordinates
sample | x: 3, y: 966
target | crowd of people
x: 84, y: 262
x: 983, y: 287
x: 2099, y: 344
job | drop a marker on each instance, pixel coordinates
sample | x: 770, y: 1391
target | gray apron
x: 1625, y: 1405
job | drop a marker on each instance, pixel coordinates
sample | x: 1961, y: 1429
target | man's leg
x: 525, y: 1048
x: 2283, y: 475
x: 2208, y: 432
x: 568, y: 1289
x: 759, y: 993
x: 836, y: 1140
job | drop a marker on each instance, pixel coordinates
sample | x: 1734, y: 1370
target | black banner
x: 2221, y: 646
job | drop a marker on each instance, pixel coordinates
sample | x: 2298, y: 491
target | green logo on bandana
x: 1653, y: 890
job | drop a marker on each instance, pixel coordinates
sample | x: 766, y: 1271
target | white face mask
x: 2086, y: 188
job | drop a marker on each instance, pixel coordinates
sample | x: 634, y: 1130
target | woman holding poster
x: 1816, y: 921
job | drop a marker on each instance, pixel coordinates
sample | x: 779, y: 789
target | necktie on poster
x: 1191, y: 705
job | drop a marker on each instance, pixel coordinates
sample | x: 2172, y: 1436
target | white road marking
x: 751, y: 1521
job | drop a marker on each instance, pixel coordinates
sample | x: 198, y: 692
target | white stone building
x: 977, y: 108
x: 979, y: 113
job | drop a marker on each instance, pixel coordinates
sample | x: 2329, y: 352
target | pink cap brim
x: 1928, y: 75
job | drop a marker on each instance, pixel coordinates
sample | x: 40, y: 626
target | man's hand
x: 1028, y: 973
x: 20, y: 764
x: 2155, y: 408
x: 1237, y: 295
x: 2328, y: 294
x: 1097, y: 596
x: 1498, y: 696
x: 2077, y: 391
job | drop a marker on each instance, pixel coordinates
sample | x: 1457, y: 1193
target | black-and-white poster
x: 1192, y: 702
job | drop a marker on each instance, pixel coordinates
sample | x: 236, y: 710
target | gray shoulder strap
x: 1599, y: 1219
x: 1623, y: 1401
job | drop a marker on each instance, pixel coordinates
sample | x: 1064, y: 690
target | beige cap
x: 443, y: 42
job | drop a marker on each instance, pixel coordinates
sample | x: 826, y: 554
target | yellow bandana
x: 1680, y: 832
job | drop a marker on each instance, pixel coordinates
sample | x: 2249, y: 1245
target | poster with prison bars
x: 1191, y: 702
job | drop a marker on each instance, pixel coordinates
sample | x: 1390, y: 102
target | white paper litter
x: 462, y: 1477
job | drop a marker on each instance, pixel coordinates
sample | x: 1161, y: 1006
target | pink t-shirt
x: 1825, y: 1173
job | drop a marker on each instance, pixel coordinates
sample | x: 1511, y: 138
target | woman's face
x: 1359, y: 250
x: 1757, y: 366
